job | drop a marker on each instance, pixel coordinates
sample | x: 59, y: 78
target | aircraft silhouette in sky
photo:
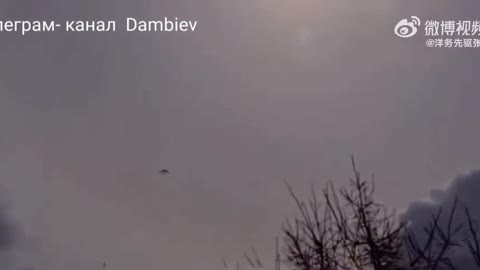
x: 164, y: 172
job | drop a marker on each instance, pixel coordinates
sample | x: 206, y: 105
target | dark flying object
x: 164, y: 172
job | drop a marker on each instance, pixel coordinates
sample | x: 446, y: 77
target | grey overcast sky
x: 262, y: 92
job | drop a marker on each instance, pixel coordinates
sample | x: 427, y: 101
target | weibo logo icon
x: 407, y: 28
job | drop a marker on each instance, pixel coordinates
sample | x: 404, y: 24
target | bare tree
x: 441, y: 240
x: 347, y: 229
x: 310, y: 241
x: 472, y: 241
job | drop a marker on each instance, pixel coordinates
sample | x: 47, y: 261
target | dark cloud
x: 8, y: 228
x: 465, y: 188
x: 7, y: 232
x: 9, y: 236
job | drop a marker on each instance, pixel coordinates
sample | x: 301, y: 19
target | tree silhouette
x: 347, y: 229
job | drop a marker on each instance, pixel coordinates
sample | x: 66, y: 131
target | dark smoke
x: 466, y: 188
x: 8, y: 230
